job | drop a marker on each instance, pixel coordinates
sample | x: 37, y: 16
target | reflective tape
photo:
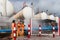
x: 40, y: 32
x: 53, y: 32
x: 14, y: 28
x: 28, y: 33
x: 53, y: 28
x: 14, y: 34
x: 28, y: 28
x: 40, y: 28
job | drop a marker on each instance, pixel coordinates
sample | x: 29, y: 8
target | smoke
x: 53, y: 6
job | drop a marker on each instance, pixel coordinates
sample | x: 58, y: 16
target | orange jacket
x: 22, y: 25
x: 18, y: 25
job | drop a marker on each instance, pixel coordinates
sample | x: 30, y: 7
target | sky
x: 18, y: 4
x: 53, y: 6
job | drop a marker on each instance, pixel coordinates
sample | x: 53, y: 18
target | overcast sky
x: 53, y: 6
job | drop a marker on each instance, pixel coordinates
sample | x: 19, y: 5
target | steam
x: 53, y: 6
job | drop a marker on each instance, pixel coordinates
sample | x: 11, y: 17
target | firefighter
x: 18, y: 28
x: 12, y: 28
x: 22, y: 31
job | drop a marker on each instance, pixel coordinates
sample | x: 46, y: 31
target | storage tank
x: 9, y: 8
x: 51, y: 17
x: 44, y: 16
x: 2, y: 7
x: 6, y: 8
x: 27, y: 12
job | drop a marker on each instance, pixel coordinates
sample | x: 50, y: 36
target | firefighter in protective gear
x: 22, y: 31
x: 12, y: 28
x: 18, y: 28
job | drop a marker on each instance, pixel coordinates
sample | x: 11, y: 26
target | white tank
x: 2, y: 7
x: 27, y: 12
x: 9, y: 8
x: 44, y: 16
x: 0, y: 10
x: 6, y: 9
x: 56, y: 19
x: 51, y: 17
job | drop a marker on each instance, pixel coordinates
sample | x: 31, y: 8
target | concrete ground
x: 46, y: 37
x: 34, y: 37
x: 43, y: 37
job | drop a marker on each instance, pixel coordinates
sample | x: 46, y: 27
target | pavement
x: 35, y: 37
x: 46, y: 37
x: 43, y: 37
